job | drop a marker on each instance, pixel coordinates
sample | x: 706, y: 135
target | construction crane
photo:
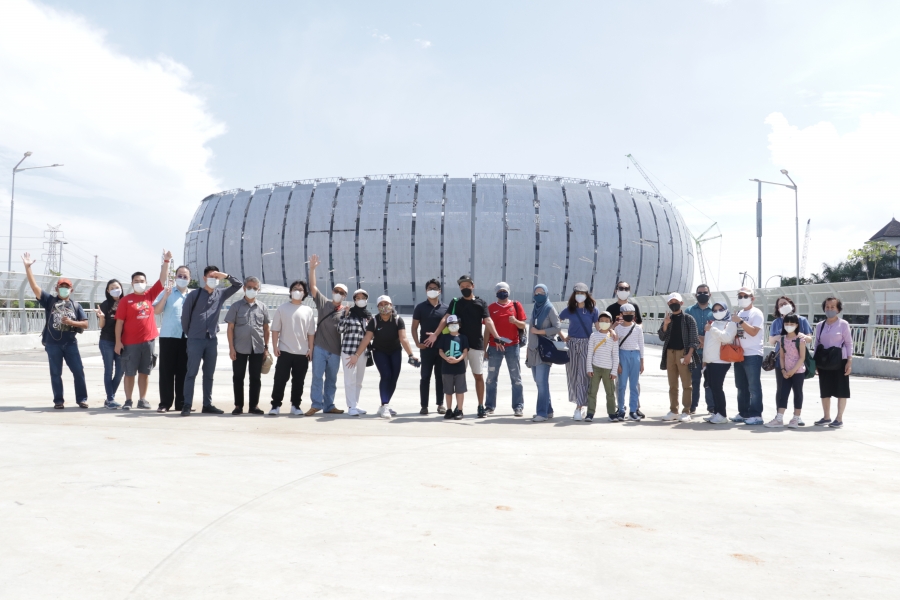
x: 698, y: 241
x: 805, y: 251
x: 643, y: 174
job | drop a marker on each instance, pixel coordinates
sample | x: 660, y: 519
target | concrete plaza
x: 113, y: 504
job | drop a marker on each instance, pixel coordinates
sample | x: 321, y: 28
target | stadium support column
x: 759, y: 232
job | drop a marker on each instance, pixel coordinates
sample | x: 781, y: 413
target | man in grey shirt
x: 200, y: 322
x: 326, y: 359
x: 248, y: 343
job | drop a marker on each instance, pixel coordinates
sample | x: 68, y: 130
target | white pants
x: 353, y: 378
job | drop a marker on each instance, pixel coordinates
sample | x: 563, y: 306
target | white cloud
x: 422, y: 43
x: 381, y: 37
x: 132, y: 133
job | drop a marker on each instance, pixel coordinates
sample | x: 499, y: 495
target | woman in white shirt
x: 719, y: 332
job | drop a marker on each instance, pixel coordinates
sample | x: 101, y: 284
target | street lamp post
x: 793, y: 186
x: 12, y: 201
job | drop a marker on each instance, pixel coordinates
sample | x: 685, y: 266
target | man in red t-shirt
x: 136, y: 332
x: 509, y: 318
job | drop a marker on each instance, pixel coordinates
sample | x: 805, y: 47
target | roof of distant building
x: 890, y: 230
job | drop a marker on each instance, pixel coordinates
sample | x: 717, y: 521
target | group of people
x: 700, y: 344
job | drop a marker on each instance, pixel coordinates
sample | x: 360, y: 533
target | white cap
x: 627, y: 307
x: 341, y: 287
x: 384, y: 299
x: 361, y: 291
x: 745, y: 290
x: 674, y: 296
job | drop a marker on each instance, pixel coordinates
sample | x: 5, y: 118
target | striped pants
x: 576, y: 372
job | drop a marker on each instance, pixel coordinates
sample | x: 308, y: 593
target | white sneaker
x: 360, y: 411
x: 776, y: 422
x: 708, y: 419
x: 295, y: 410
x: 717, y: 419
x: 275, y: 410
x: 685, y: 418
x: 753, y: 421
x: 539, y: 419
x: 385, y: 412
x: 578, y: 416
x: 670, y: 416
x: 794, y: 423
x: 353, y: 412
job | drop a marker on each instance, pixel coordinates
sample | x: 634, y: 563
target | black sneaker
x: 639, y: 413
x: 127, y: 406
x: 256, y: 411
x: 481, y: 412
x: 424, y: 411
x: 614, y: 417
x: 185, y: 412
x: 59, y: 406
x: 822, y: 421
x: 237, y: 411
x: 457, y: 414
x: 589, y: 417
x: 211, y: 410
x: 634, y: 416
x: 836, y: 424
x: 448, y: 415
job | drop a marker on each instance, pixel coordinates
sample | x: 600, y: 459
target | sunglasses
x: 621, y: 289
x: 742, y: 296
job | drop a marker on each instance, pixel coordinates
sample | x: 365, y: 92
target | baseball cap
x: 64, y: 281
x: 607, y: 315
x: 674, y: 296
x: 501, y: 286
x: 465, y: 279
x: 745, y: 290
x: 452, y: 319
x: 361, y: 291
x: 384, y: 299
x: 342, y: 287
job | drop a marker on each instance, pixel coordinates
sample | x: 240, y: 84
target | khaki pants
x: 675, y: 369
x: 608, y: 385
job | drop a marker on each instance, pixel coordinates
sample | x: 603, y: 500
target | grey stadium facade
x: 392, y: 233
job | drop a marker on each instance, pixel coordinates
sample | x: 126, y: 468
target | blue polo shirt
x: 171, y: 317
x: 701, y: 316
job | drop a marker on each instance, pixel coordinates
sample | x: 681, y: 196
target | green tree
x: 870, y: 255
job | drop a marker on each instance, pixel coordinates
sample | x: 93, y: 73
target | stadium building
x: 389, y: 234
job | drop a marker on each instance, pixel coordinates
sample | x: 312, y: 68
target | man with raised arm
x: 326, y: 358
x: 136, y: 332
x: 64, y: 320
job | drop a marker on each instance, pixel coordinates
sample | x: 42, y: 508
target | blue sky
x: 176, y: 100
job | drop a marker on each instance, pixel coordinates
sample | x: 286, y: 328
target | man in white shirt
x: 293, y: 336
x: 750, y: 322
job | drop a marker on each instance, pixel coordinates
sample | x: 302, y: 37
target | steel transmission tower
x: 51, y: 250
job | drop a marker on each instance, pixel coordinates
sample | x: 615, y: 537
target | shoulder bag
x: 827, y: 359
x: 732, y: 352
x: 523, y: 337
x: 551, y: 351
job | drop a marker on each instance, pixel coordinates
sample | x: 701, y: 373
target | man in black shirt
x: 428, y: 314
x: 679, y: 336
x: 623, y: 292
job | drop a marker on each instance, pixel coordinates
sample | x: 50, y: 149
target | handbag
x: 732, y: 352
x: 553, y: 352
x: 828, y: 359
x: 266, y: 364
x: 768, y: 363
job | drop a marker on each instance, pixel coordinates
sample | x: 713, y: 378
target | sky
x: 152, y: 106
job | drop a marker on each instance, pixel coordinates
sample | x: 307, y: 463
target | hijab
x: 362, y: 314
x: 727, y: 316
x: 541, y: 307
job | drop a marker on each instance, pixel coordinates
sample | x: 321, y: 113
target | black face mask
x: 702, y: 298
x: 674, y: 307
x: 466, y: 292
x: 628, y: 318
x: 503, y: 295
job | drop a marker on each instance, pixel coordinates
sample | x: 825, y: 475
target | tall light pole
x: 12, y: 201
x: 793, y: 186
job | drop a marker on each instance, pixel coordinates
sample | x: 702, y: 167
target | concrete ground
x: 113, y: 504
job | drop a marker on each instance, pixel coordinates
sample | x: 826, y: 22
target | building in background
x: 389, y: 234
x: 890, y: 233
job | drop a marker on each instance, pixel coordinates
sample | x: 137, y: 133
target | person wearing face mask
x: 136, y: 333
x: 702, y: 313
x: 719, y: 332
x: 750, y: 321
x: 623, y: 293
x: 112, y: 362
x: 353, y: 331
x: 64, y: 319
x: 784, y: 306
x: 582, y: 315
x: 248, y: 344
x: 509, y: 319
x: 387, y: 332
x: 792, y: 357
x: 603, y: 362
x: 544, y: 322
x: 833, y: 336
x: 293, y: 336
x: 172, y: 342
x: 453, y: 348
x: 630, y: 337
x: 428, y: 314
x: 200, y: 322
x: 326, y: 358
x: 678, y: 334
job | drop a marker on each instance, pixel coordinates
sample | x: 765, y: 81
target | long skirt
x: 576, y: 371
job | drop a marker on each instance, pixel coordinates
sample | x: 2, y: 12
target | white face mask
x: 785, y: 310
x: 720, y: 314
x: 623, y: 294
x: 604, y: 326
x: 337, y: 298
x: 296, y: 295
x: 115, y: 292
x: 182, y: 283
x: 790, y: 328
x: 139, y: 287
x: 212, y: 282
x: 580, y: 297
x: 251, y: 293
x: 745, y: 302
x: 362, y: 303
x: 433, y: 294
x: 453, y: 328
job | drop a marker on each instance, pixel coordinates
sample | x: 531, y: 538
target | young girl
x: 792, y: 355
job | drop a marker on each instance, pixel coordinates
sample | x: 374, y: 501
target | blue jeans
x: 326, y: 364
x: 495, y: 359
x: 749, y: 388
x: 541, y: 374
x: 112, y: 369
x: 206, y: 350
x: 388, y: 365
x: 630, y: 361
x: 696, y: 374
x: 56, y: 353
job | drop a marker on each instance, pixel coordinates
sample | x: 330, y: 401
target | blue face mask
x: 502, y: 295
x: 540, y: 298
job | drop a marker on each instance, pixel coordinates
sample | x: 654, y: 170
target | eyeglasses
x: 742, y: 296
x: 624, y: 289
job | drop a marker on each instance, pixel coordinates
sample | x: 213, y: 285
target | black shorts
x: 834, y: 384
x: 454, y: 384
